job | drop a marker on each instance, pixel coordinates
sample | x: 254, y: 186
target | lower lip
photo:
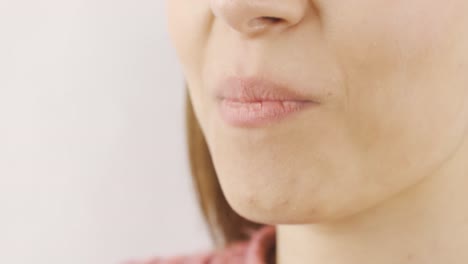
x: 253, y: 114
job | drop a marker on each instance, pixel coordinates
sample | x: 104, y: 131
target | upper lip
x: 256, y: 89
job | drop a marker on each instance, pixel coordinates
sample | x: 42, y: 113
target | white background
x: 93, y: 166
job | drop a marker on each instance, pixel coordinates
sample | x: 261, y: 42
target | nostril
x: 272, y: 20
x: 264, y: 21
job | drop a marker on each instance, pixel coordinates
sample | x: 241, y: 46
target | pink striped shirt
x: 259, y: 249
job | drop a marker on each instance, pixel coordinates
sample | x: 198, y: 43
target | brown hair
x: 224, y: 224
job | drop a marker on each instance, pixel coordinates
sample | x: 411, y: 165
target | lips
x: 253, y: 102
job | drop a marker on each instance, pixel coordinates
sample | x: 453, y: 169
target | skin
x: 378, y: 172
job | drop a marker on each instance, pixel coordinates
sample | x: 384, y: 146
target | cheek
x: 381, y: 38
x: 405, y: 93
x: 189, y: 26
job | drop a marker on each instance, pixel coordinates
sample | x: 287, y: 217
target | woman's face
x: 389, y: 82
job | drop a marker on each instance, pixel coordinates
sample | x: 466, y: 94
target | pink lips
x: 251, y: 102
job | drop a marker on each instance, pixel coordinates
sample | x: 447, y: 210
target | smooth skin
x: 377, y: 173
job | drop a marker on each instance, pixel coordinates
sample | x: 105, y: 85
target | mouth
x: 254, y: 102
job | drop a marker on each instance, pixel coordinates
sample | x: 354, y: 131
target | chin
x: 277, y: 207
x: 298, y: 201
x: 276, y: 214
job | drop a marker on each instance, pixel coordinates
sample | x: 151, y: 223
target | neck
x: 425, y: 224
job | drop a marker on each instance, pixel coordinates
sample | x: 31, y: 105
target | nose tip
x: 251, y: 17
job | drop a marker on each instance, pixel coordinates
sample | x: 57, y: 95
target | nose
x: 251, y: 17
